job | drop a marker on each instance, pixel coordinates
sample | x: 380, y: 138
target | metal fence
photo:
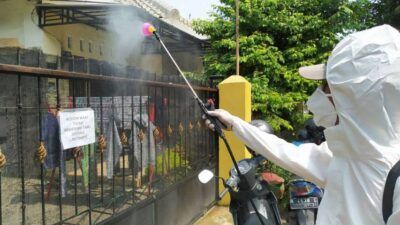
x: 149, y: 139
x: 68, y: 62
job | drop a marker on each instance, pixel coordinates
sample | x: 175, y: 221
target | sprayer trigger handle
x: 210, y: 105
x: 217, y: 123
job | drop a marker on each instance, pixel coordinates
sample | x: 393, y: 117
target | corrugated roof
x: 166, y: 12
x: 157, y: 8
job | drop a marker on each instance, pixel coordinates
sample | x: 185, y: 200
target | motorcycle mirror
x: 205, y: 176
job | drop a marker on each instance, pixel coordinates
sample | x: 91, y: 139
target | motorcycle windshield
x: 302, y: 188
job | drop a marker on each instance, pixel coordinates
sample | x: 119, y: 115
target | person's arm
x: 309, y: 161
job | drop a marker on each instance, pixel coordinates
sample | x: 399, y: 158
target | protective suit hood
x: 363, y: 73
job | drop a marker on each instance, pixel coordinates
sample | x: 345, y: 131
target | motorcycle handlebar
x: 258, y: 159
x: 223, y: 193
x: 232, y: 181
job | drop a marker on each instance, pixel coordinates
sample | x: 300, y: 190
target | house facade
x: 107, y: 30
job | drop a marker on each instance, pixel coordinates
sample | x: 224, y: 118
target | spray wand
x: 149, y: 30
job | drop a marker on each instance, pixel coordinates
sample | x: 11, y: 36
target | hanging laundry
x: 55, y: 155
x: 144, y: 147
x: 151, y: 109
x: 161, y: 111
x: 114, y: 145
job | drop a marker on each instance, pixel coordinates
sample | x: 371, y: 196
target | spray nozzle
x: 148, y: 29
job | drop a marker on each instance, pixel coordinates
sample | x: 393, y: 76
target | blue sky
x: 197, y: 8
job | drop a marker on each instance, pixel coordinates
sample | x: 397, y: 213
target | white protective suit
x: 363, y: 73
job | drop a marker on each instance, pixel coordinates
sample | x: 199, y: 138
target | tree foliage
x: 387, y: 11
x: 276, y: 38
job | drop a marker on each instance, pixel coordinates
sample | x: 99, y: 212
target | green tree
x: 276, y: 38
x: 387, y: 11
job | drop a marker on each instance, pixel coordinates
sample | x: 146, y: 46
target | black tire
x: 305, y: 217
x: 292, y: 218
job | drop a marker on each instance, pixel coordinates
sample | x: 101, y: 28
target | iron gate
x: 131, y: 167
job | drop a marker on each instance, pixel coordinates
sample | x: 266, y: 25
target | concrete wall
x: 188, y: 61
x: 148, y: 62
x: 181, y: 205
x: 107, y: 41
x: 18, y: 27
x: 86, y: 34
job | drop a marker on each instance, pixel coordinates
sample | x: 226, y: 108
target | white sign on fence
x: 77, y: 127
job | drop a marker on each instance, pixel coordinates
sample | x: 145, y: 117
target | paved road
x: 219, y: 215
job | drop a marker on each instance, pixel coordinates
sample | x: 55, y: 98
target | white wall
x: 18, y: 24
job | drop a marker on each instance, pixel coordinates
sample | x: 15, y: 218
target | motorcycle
x: 304, y: 196
x: 304, y: 199
x: 250, y: 186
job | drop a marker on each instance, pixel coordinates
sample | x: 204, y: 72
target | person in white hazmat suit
x: 362, y: 119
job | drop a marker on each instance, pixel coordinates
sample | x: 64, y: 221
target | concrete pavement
x: 219, y: 215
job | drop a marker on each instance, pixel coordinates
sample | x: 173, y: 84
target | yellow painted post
x: 235, y: 97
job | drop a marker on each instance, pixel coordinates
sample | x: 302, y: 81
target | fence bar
x: 139, y: 139
x: 168, y: 126
x: 132, y: 161
x: 187, y: 133
x: 176, y: 132
x: 161, y: 126
x: 124, y: 144
x: 102, y: 153
x: 149, y: 150
x: 90, y: 172
x: 111, y: 124
x: 39, y: 84
x: 61, y: 154
x: 20, y: 151
x: 75, y: 166
x: 191, y: 129
x: 156, y: 125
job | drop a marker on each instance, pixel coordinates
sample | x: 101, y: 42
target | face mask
x: 324, y: 112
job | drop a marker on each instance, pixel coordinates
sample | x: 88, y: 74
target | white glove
x: 222, y: 115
